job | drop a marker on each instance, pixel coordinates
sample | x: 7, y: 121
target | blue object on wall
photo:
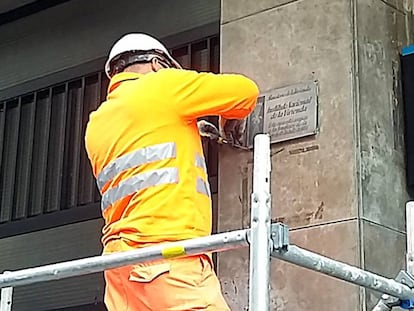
x: 407, y: 50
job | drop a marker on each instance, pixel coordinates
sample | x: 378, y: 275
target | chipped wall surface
x: 382, y: 30
x: 342, y: 191
x: 381, y: 35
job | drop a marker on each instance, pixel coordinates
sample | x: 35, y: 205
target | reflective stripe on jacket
x: 146, y: 153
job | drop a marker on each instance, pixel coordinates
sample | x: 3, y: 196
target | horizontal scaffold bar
x: 216, y: 243
x: 343, y: 271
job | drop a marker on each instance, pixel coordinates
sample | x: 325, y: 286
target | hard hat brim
x: 175, y: 64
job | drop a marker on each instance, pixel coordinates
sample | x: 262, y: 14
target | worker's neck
x: 139, y: 68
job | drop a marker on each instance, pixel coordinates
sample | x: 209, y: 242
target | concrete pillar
x: 342, y: 191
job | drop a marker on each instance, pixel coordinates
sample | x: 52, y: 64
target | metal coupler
x: 387, y: 302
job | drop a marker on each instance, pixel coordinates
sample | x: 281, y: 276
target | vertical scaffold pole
x: 6, y: 298
x: 260, y: 239
x: 410, y: 237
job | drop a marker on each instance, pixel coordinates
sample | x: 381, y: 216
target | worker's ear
x: 156, y: 64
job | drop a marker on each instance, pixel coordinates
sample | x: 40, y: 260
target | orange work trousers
x: 178, y: 284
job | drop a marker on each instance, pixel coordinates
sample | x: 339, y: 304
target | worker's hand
x: 232, y: 129
x: 209, y: 130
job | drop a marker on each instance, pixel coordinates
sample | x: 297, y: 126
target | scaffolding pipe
x: 217, y: 242
x: 345, y: 272
x: 6, y: 297
x: 410, y: 237
x: 261, y: 243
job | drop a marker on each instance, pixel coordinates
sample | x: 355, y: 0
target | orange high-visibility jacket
x: 146, y: 152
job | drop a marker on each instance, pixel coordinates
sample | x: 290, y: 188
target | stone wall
x: 345, y: 197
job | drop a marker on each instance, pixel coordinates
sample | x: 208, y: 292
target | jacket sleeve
x: 232, y: 96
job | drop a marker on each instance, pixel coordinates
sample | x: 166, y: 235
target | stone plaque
x: 285, y: 113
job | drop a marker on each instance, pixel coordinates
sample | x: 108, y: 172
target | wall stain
x: 272, y: 154
x: 244, y: 198
x: 319, y: 211
x: 302, y: 218
x: 397, y: 111
x: 304, y: 149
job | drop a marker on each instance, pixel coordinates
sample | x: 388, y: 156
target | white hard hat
x: 137, y: 42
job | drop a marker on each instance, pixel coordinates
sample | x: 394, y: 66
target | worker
x: 145, y: 150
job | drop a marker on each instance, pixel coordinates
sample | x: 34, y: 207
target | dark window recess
x: 200, y: 55
x: 44, y: 168
x: 8, y: 169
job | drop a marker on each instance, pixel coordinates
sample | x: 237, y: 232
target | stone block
x: 384, y: 253
x: 235, y: 9
x: 293, y: 287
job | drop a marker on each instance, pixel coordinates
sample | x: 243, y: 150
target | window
x: 44, y: 168
x: 45, y: 175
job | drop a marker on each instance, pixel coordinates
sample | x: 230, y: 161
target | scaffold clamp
x: 280, y: 236
x: 407, y: 279
x: 387, y: 302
